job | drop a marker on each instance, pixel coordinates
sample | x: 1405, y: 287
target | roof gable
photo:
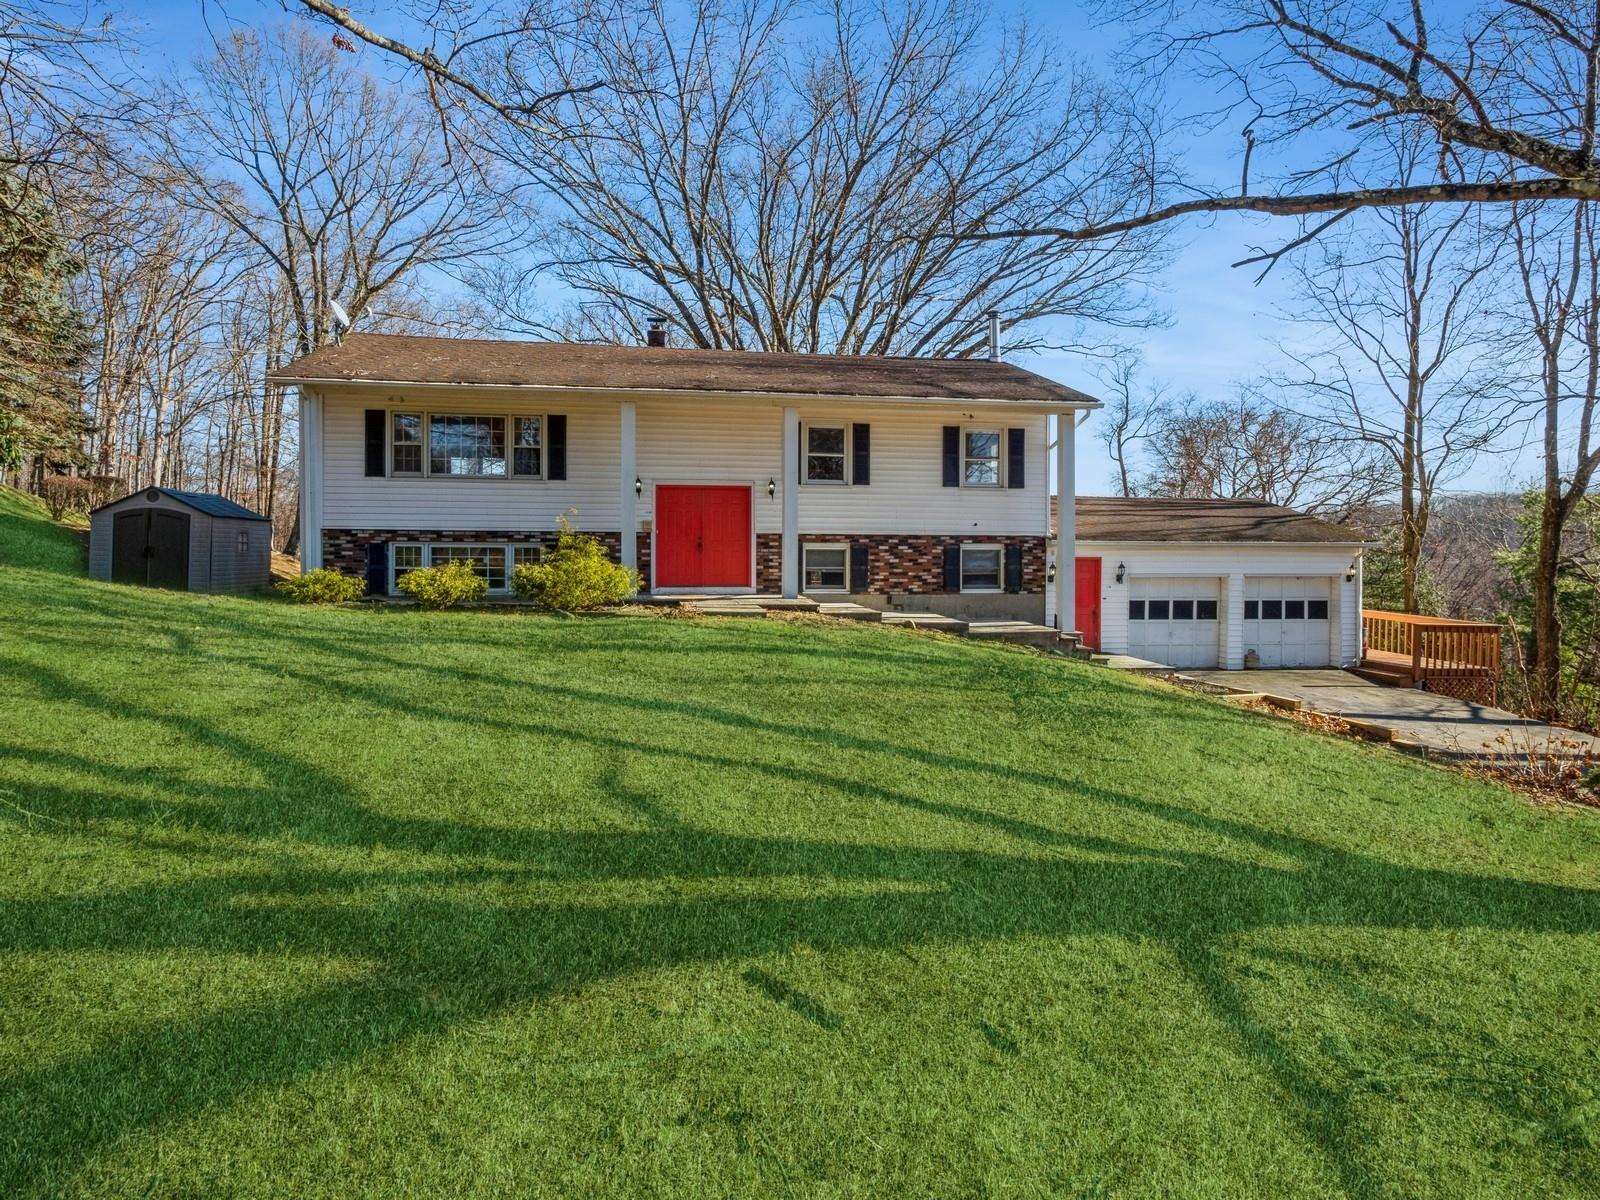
x: 401, y: 359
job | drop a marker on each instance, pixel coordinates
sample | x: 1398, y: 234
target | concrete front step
x: 1024, y: 632
x: 844, y: 610
x: 933, y: 621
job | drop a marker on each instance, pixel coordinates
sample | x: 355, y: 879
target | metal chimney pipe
x: 994, y: 336
x: 657, y: 333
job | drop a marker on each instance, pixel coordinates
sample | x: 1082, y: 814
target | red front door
x: 702, y: 536
x: 1086, y: 595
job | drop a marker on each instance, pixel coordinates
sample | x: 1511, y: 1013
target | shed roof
x: 209, y: 503
x: 1165, y: 519
x: 403, y: 358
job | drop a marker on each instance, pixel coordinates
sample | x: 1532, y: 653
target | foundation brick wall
x: 346, y: 549
x: 900, y: 563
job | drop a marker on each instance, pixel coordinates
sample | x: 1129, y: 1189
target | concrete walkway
x: 1414, y: 720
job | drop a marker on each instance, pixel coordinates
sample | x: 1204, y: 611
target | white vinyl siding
x: 684, y: 441
x: 351, y: 500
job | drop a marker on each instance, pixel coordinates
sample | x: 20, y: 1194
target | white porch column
x: 310, y: 481
x: 791, y: 502
x: 628, y: 471
x: 1232, y: 606
x: 1066, y: 521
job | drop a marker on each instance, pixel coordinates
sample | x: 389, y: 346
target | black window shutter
x: 861, y: 449
x: 377, y: 568
x: 377, y: 420
x: 952, y: 456
x: 952, y: 567
x: 1013, y: 568
x: 555, y: 448
x: 1016, y: 458
x: 858, y: 581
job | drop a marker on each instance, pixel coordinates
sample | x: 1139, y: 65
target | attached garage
x: 1173, y: 619
x: 186, y: 541
x: 1208, y: 583
x: 1286, y: 620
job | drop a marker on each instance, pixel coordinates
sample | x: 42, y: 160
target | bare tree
x: 1400, y: 358
x: 336, y: 182
x: 768, y: 177
x: 1248, y: 448
x: 1504, y: 94
x: 1558, y: 260
x: 1132, y: 412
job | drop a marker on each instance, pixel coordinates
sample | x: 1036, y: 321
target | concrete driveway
x: 1417, y: 720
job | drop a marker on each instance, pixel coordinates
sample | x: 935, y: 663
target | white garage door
x: 1173, y: 620
x: 1286, y: 620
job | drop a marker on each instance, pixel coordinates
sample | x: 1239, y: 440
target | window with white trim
x: 826, y: 567
x: 980, y: 568
x: 525, y: 554
x: 827, y: 449
x: 526, y: 445
x: 468, y: 445
x: 403, y: 557
x: 405, y: 433
x: 488, y: 561
x: 980, y: 457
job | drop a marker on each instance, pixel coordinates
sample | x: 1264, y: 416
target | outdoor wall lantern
x: 1050, y: 575
x: 638, y: 486
x: 1121, y: 571
x: 772, y: 488
x: 1350, y: 575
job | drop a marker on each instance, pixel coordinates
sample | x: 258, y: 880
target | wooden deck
x: 1453, y: 658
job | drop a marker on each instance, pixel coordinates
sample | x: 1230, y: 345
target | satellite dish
x: 340, y: 318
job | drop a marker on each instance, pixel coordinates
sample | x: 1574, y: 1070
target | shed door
x: 1173, y: 620
x: 151, y: 546
x: 1286, y: 620
x: 129, y: 541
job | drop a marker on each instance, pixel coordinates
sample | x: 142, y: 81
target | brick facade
x: 906, y: 564
x: 346, y: 549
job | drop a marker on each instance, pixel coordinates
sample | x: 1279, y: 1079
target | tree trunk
x: 1544, y: 676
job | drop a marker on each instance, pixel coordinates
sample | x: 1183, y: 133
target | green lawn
x: 344, y: 903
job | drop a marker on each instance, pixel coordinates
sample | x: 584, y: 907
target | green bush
x: 323, y: 586
x: 576, y: 575
x: 444, y: 587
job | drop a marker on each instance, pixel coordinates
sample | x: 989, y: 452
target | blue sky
x: 1223, y: 325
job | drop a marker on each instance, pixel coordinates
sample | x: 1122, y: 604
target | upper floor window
x: 407, y: 444
x: 825, y: 453
x: 980, y: 457
x: 525, y: 445
x: 466, y: 445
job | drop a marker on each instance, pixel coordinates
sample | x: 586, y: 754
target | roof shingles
x: 1166, y: 519
x: 401, y: 359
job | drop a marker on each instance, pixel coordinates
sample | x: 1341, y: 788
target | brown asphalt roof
x: 395, y: 358
x: 1160, y: 519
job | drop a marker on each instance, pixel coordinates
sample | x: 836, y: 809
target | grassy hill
x: 343, y: 903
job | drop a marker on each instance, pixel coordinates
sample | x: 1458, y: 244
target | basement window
x: 980, y: 568
x: 827, y: 568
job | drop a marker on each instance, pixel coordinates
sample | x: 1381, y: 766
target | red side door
x: 702, y: 536
x: 1086, y: 595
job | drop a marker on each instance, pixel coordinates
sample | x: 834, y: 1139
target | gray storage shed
x: 188, y: 541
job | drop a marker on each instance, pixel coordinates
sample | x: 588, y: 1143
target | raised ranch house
x: 915, y: 484
x: 918, y: 483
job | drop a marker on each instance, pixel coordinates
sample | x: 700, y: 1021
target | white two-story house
x: 914, y: 483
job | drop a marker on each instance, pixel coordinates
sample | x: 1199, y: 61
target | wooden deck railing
x: 1458, y: 657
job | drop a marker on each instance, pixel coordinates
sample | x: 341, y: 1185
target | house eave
x: 775, y: 398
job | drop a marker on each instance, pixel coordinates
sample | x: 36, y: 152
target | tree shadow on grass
x: 440, y: 960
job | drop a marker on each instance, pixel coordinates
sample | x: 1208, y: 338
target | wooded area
x: 863, y: 179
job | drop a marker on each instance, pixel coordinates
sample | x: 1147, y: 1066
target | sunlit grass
x: 341, y: 903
